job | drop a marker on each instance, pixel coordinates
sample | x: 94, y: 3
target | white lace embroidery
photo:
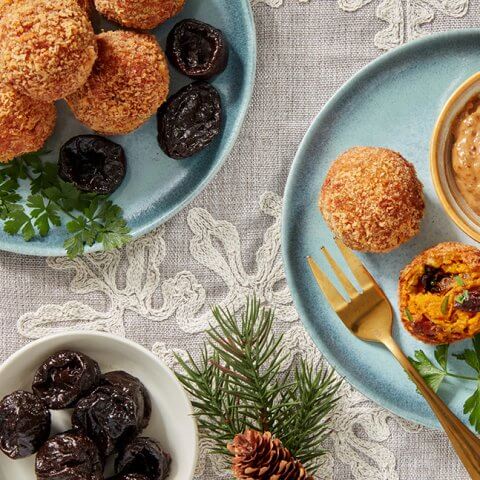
x: 216, y: 245
x: 405, y: 18
x: 274, y: 3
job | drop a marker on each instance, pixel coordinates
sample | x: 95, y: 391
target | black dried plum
x: 189, y: 120
x: 109, y: 417
x: 133, y: 387
x: 435, y: 280
x: 24, y: 424
x: 469, y: 301
x: 197, y: 49
x: 144, y: 456
x: 92, y: 163
x: 69, y: 456
x: 64, y: 378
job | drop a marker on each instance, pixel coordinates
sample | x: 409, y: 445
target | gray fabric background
x: 305, y: 52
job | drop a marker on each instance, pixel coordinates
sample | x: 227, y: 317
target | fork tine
x: 331, y: 293
x: 364, y: 279
x: 351, y: 290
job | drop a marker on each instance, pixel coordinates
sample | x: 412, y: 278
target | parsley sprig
x: 435, y: 373
x: 91, y: 218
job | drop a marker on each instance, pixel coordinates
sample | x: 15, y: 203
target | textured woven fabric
x: 225, y: 244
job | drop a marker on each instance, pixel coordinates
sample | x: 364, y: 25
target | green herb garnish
x: 92, y: 217
x: 444, y: 306
x: 408, y: 315
x: 459, y: 280
x: 435, y: 375
x: 463, y: 297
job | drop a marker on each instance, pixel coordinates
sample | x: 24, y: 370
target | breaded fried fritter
x: 25, y: 124
x: 139, y: 14
x: 440, y: 294
x: 129, y: 81
x: 47, y: 48
x: 372, y: 199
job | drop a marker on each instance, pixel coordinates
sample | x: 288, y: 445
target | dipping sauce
x: 466, y: 153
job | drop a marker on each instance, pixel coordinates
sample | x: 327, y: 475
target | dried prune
x: 197, y: 49
x: 435, y: 280
x: 24, y: 424
x: 92, y: 163
x: 64, y: 378
x: 144, y: 456
x: 189, y: 120
x: 425, y: 327
x: 69, y: 456
x: 134, y: 388
x: 469, y: 301
x: 109, y: 417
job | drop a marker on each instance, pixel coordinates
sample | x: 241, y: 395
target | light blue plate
x: 393, y: 103
x: 156, y: 187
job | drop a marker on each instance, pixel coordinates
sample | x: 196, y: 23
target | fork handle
x: 463, y: 440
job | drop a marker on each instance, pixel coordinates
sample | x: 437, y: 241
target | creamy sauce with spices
x: 466, y: 153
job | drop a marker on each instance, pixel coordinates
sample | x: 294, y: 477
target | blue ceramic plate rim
x: 288, y: 200
x: 19, y: 246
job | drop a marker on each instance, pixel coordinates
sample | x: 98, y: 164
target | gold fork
x: 369, y: 315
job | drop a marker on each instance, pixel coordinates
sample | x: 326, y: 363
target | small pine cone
x: 258, y: 456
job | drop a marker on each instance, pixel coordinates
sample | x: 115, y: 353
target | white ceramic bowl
x: 172, y: 423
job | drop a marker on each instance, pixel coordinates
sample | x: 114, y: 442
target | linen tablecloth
x: 225, y: 245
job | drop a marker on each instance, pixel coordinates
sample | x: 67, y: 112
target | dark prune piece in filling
x: 24, y: 424
x: 197, y: 49
x: 189, y: 120
x: 92, y: 163
x: 109, y: 417
x: 469, y: 301
x: 435, y: 280
x: 64, y: 378
x: 69, y: 456
x: 425, y: 327
x: 144, y: 456
x: 134, y: 388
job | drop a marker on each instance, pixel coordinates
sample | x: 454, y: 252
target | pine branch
x: 239, y: 386
x: 302, y: 424
x: 253, y: 353
x: 215, y: 403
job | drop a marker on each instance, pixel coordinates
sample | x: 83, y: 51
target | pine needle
x: 240, y: 386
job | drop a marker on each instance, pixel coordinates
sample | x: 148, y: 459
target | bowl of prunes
x: 93, y: 406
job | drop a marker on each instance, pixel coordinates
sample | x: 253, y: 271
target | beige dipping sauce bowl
x: 441, y: 168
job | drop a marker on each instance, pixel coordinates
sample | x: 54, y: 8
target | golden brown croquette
x: 140, y: 14
x: 128, y: 83
x: 372, y: 199
x: 47, y: 48
x: 440, y: 294
x: 25, y: 124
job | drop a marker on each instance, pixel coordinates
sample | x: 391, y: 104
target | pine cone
x: 258, y: 456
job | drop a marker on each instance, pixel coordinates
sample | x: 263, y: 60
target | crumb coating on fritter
x: 47, y: 48
x: 372, y: 199
x: 25, y: 124
x: 128, y: 83
x: 4, y: 4
x: 139, y: 14
x: 433, y: 315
